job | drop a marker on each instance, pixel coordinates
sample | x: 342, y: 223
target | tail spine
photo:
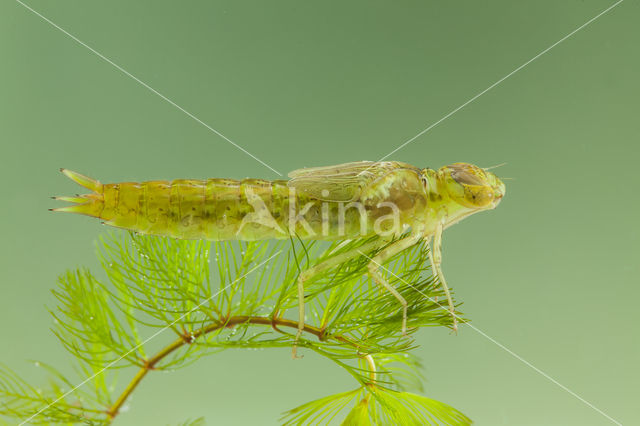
x: 87, y: 204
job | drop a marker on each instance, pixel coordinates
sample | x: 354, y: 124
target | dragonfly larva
x: 346, y: 201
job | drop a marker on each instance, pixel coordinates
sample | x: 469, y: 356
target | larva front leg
x: 435, y: 257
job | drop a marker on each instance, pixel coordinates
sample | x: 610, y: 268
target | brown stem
x: 150, y: 364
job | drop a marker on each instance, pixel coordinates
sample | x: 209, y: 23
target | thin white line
x: 500, y: 345
x: 128, y: 74
x: 147, y: 340
x: 501, y: 80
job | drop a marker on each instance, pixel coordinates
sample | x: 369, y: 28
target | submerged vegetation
x: 197, y: 298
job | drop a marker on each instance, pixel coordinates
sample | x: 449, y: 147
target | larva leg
x: 435, y: 257
x: 377, y: 261
x: 320, y: 267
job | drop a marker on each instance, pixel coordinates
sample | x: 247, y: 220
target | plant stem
x: 150, y: 364
x: 372, y: 368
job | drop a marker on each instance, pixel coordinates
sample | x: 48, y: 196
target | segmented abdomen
x: 210, y: 209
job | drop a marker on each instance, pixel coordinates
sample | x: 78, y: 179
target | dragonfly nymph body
x: 346, y: 201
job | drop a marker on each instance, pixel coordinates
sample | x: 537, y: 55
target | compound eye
x: 465, y: 177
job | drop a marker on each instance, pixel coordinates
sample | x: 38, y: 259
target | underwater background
x: 553, y: 274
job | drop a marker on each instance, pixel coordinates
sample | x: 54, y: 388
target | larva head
x: 472, y: 186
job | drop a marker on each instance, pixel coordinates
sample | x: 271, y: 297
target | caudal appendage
x: 87, y: 204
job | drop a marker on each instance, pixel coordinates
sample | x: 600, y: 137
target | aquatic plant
x: 200, y: 298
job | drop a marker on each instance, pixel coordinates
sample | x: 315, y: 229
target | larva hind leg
x: 307, y: 274
x: 435, y: 257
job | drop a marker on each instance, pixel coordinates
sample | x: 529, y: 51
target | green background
x: 552, y: 274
